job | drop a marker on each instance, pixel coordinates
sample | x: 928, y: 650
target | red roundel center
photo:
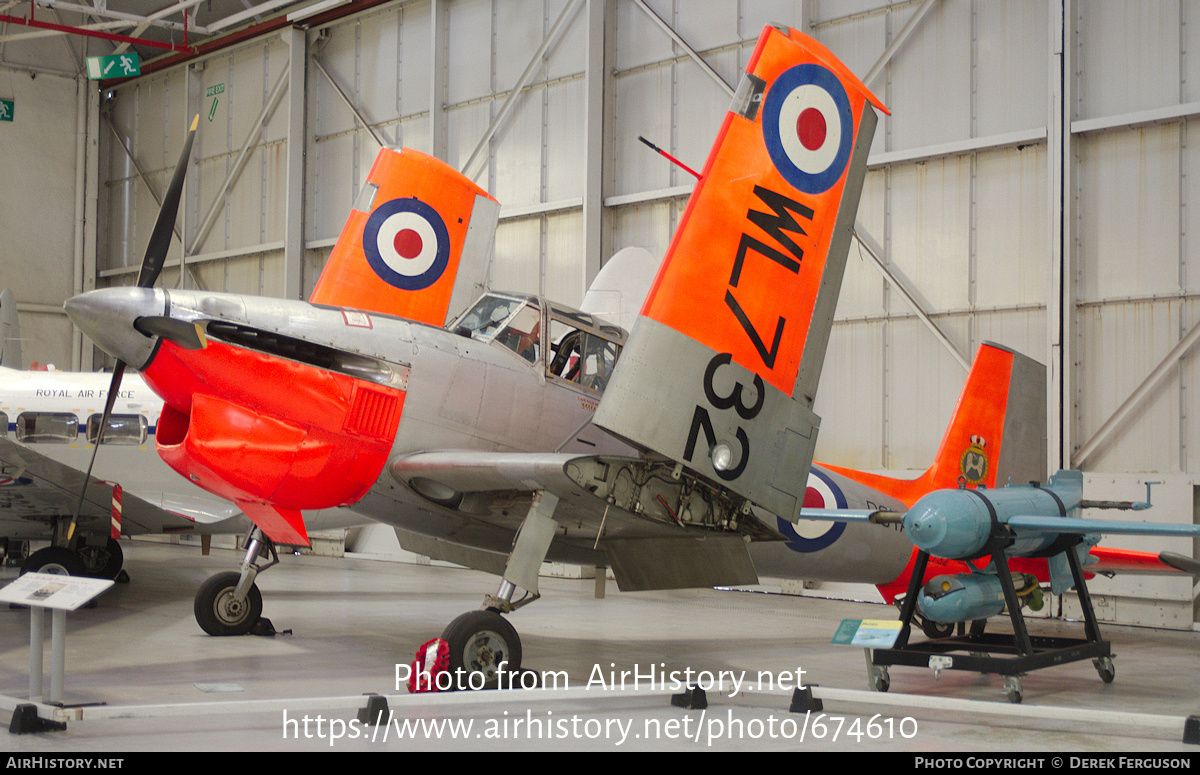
x: 408, y: 243
x: 813, y: 499
x: 810, y: 128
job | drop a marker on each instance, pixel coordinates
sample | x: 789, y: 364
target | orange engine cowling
x: 285, y: 436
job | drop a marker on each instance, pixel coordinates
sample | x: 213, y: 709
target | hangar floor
x: 353, y: 620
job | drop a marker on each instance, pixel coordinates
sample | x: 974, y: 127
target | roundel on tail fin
x: 808, y: 127
x: 407, y: 244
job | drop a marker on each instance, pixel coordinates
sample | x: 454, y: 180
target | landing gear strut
x: 229, y: 603
x: 483, y: 645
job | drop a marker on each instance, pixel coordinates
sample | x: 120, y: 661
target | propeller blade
x: 189, y: 336
x: 113, y: 387
x: 160, y: 238
x: 152, y: 264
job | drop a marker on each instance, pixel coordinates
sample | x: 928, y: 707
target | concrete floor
x: 354, y: 620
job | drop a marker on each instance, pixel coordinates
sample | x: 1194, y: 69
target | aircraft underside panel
x: 637, y: 512
x: 680, y: 563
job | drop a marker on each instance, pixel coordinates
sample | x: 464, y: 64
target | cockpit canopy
x: 571, y: 346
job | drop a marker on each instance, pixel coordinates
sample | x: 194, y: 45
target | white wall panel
x: 1012, y: 234
x: 563, y: 262
x: 857, y: 40
x: 516, y: 266
x: 756, y: 14
x: 1128, y: 56
x: 930, y: 229
x: 413, y: 57
x: 38, y: 217
x: 518, y: 154
x: 1120, y: 345
x: 849, y: 401
x: 930, y: 82
x: 470, y: 49
x: 639, y: 40
x: 647, y: 97
x: 1129, y: 213
x: 923, y: 388
x: 1023, y: 330
x: 378, y: 93
x: 331, y: 172
x: 520, y: 29
x: 565, y: 152
x: 701, y: 107
x: 1010, y: 71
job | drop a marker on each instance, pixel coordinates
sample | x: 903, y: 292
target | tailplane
x: 721, y: 369
x: 417, y: 243
x: 996, y: 435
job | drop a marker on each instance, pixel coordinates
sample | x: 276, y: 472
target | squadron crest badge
x: 973, y: 462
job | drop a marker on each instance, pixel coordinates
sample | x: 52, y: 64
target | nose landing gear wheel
x: 482, y: 646
x: 218, y: 612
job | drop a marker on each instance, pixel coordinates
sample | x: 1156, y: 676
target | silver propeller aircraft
x: 523, y: 430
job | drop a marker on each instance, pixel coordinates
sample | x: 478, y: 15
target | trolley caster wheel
x: 1012, y: 689
x: 1106, y: 669
x: 880, y: 680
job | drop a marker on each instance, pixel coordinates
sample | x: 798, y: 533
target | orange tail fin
x: 417, y: 243
x: 721, y: 368
x: 997, y: 432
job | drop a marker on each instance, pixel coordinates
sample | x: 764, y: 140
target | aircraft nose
x: 107, y: 316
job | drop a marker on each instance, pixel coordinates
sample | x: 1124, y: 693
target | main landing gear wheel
x: 57, y: 560
x: 218, y: 612
x: 482, y: 642
x: 103, y: 562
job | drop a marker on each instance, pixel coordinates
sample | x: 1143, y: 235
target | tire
x: 56, y: 560
x: 103, y: 562
x: 481, y: 643
x: 218, y: 613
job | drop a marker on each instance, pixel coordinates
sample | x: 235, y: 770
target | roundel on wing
x: 808, y: 127
x: 406, y: 243
x: 810, y: 535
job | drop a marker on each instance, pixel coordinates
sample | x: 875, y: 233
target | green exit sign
x: 115, y: 66
x: 6, y: 110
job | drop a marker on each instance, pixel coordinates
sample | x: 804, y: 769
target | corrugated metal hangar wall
x: 1030, y: 188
